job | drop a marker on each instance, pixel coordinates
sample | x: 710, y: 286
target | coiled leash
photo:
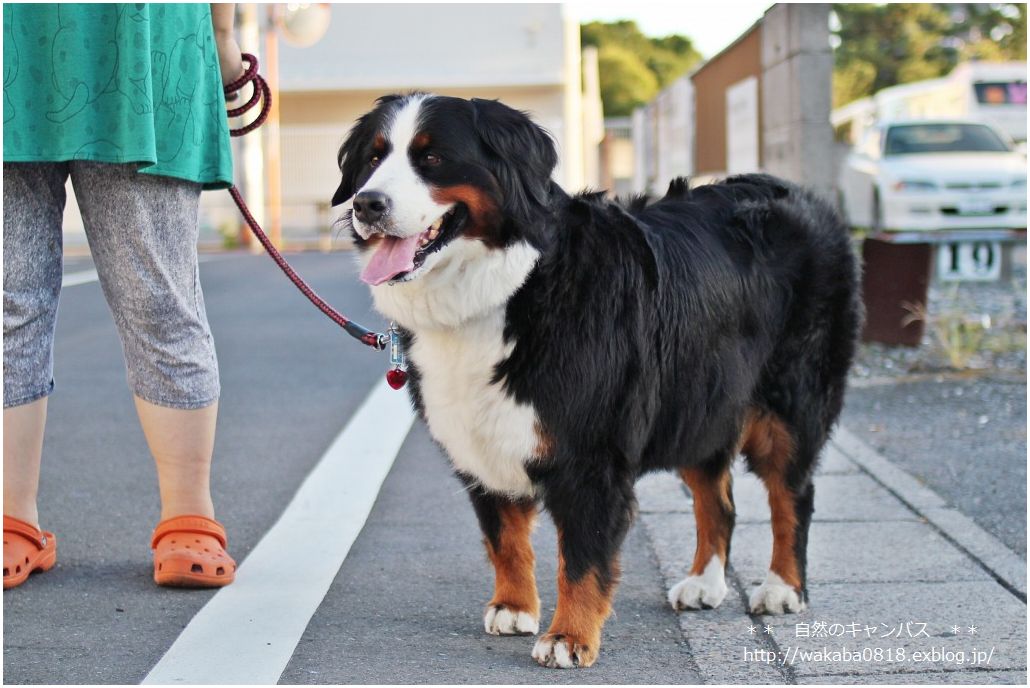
x: 396, y: 376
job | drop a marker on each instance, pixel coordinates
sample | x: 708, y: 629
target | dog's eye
x: 431, y: 159
x: 374, y: 161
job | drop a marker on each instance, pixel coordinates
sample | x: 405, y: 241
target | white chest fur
x: 456, y: 311
x: 487, y: 434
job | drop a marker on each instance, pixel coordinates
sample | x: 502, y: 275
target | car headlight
x: 914, y: 185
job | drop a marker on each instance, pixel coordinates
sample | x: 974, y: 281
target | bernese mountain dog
x: 560, y: 346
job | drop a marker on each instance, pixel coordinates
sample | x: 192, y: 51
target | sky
x: 711, y: 26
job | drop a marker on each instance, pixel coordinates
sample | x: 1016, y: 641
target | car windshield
x: 911, y: 139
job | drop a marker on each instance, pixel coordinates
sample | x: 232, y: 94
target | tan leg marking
x: 574, y: 638
x: 705, y: 586
x: 514, y: 561
x: 770, y: 446
x: 713, y: 501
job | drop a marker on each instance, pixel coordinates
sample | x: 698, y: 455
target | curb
x: 1004, y: 565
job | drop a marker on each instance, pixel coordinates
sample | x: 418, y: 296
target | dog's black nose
x: 370, y: 206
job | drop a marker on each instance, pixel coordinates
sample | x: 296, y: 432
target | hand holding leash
x: 261, y: 93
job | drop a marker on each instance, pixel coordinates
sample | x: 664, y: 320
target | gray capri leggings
x: 142, y: 231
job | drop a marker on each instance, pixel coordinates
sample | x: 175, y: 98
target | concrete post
x: 797, y: 69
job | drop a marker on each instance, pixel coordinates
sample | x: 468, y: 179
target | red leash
x: 377, y: 340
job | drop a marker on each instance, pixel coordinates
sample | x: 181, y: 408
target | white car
x: 934, y: 175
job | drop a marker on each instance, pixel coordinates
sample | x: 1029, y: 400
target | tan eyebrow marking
x: 420, y: 141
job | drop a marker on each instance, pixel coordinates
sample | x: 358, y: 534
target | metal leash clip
x: 397, y: 376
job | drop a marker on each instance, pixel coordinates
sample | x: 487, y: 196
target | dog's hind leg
x: 507, y: 524
x: 773, y: 454
x: 714, y: 515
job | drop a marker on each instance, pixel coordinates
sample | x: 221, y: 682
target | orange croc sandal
x: 189, y: 552
x: 26, y: 549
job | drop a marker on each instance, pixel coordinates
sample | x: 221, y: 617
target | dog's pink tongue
x: 393, y: 257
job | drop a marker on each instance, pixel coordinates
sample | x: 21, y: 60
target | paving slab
x: 922, y: 614
x: 717, y: 638
x: 999, y: 561
x: 838, y: 497
x: 833, y: 460
x: 663, y: 493
x: 888, y: 587
x: 899, y: 551
x: 913, y: 491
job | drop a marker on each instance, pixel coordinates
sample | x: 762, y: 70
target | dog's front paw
x: 774, y: 596
x: 698, y: 592
x: 563, y: 651
x: 500, y: 619
x: 706, y: 590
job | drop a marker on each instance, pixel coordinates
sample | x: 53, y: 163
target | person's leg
x: 182, y: 442
x: 143, y: 231
x: 34, y: 199
x: 23, y: 452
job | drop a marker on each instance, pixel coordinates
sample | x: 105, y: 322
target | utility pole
x: 273, y: 161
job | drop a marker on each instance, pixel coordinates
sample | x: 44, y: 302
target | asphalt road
x: 290, y: 381
x: 406, y: 605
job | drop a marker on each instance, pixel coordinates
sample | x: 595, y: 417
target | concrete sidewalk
x: 902, y: 588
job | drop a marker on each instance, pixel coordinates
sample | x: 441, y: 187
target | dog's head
x: 435, y: 181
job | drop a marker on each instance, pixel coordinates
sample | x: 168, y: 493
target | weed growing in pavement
x: 964, y: 337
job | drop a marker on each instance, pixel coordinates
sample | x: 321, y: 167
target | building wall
x: 674, y: 133
x: 314, y: 124
x: 526, y: 55
x: 741, y: 60
x: 389, y: 47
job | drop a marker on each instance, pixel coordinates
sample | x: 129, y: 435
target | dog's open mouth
x: 396, y: 258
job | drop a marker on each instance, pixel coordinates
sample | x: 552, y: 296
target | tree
x: 883, y: 45
x: 634, y: 67
x: 626, y: 82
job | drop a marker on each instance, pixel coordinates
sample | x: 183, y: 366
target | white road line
x: 247, y: 632
x: 74, y: 279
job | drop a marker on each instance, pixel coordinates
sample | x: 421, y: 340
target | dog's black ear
x: 343, y: 192
x: 351, y: 156
x: 523, y: 155
x: 347, y: 158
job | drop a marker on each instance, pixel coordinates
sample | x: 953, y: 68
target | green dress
x: 116, y: 83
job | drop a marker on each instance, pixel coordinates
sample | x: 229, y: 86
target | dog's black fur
x: 648, y: 331
x: 645, y: 335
